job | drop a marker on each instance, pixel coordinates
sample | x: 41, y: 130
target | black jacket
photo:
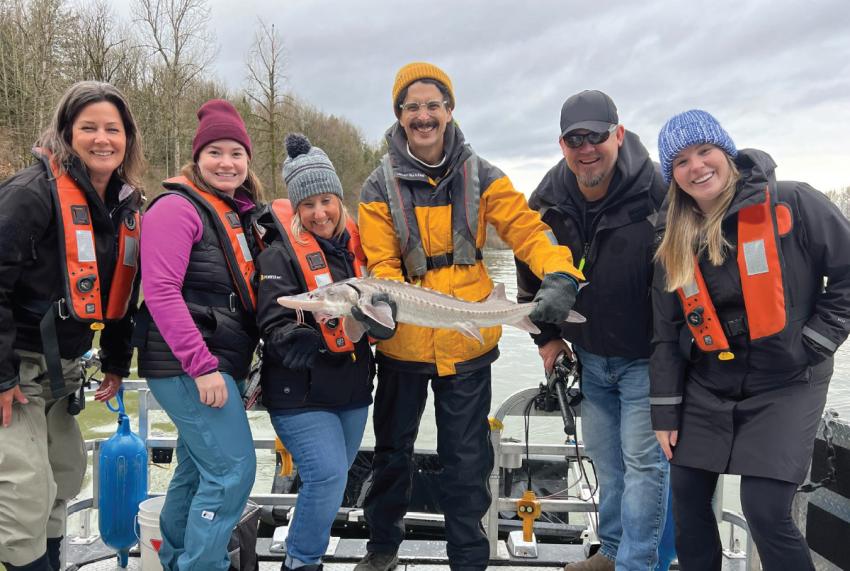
x: 815, y: 249
x: 734, y: 414
x: 335, y: 380
x: 228, y: 329
x: 31, y: 275
x: 618, y: 246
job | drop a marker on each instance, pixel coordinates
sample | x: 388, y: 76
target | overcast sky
x: 776, y: 73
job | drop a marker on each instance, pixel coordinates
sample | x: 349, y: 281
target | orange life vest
x: 314, y: 267
x: 240, y: 261
x: 82, y: 280
x: 759, y: 227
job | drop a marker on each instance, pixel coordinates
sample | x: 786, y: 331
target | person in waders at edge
x: 69, y: 229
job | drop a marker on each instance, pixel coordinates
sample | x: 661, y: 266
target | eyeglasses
x: 431, y: 106
x: 594, y: 138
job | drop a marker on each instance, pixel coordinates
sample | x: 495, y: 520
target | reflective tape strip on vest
x: 231, y: 235
x: 761, y: 283
x: 315, y: 270
x: 464, y: 209
x: 80, y: 260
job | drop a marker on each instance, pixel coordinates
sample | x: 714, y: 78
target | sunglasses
x: 576, y: 141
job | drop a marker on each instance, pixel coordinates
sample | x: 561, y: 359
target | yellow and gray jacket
x: 430, y: 231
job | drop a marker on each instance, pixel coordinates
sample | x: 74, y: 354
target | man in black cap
x: 601, y: 201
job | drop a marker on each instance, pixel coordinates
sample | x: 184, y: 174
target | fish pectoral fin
x: 380, y: 312
x: 470, y: 330
x: 498, y: 293
x: 583, y: 285
x: 525, y: 324
x: 575, y: 317
x: 354, y: 330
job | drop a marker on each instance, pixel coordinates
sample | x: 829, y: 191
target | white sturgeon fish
x: 415, y: 305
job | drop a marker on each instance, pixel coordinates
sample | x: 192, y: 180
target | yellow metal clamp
x: 286, y: 463
x: 528, y: 510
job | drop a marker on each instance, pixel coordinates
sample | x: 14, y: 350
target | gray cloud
x: 776, y: 73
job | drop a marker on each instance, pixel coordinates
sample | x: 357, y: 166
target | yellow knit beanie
x: 420, y: 70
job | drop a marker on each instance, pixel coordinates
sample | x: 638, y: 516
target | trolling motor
x: 561, y: 392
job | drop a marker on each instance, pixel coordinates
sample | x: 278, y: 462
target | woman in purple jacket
x: 196, y: 335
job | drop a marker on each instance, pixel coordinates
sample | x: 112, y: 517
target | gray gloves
x: 555, y: 298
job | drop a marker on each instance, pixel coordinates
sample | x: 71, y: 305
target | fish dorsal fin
x: 498, y: 293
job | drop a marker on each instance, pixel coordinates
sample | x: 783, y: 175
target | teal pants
x: 213, y: 479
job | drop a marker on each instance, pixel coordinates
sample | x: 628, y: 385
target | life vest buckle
x: 62, y: 309
x: 231, y: 301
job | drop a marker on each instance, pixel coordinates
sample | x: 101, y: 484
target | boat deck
x: 343, y: 554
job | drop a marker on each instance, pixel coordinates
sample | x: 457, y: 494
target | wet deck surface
x: 344, y: 554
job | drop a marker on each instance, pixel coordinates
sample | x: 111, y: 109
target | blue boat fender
x: 122, y: 484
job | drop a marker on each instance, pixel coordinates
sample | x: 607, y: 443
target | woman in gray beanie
x: 317, y: 383
x: 744, y: 335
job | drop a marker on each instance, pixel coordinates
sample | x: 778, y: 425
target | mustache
x: 423, y: 124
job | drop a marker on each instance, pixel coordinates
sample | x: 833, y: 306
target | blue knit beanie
x: 307, y: 170
x: 693, y: 127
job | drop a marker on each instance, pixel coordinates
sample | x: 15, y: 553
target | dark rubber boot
x: 53, y: 546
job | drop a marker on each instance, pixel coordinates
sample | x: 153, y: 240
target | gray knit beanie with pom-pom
x: 307, y: 170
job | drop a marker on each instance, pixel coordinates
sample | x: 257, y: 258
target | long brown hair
x: 691, y: 233
x: 57, y: 137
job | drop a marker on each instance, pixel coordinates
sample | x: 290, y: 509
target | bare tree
x: 108, y: 53
x: 265, y: 79
x: 175, y: 32
x: 31, y: 67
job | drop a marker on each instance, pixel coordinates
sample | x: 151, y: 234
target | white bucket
x: 150, y: 538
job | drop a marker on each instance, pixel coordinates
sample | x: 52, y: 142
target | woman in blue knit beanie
x: 744, y: 335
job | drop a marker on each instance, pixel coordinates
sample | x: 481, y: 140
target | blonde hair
x: 252, y: 186
x: 57, y: 137
x: 691, y: 233
x: 298, y: 229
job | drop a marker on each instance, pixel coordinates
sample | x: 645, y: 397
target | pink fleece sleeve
x: 169, y: 231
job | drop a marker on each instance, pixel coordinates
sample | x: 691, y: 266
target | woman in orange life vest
x: 744, y: 335
x: 69, y: 229
x: 196, y: 333
x: 317, y: 384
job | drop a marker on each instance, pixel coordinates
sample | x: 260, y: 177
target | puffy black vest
x: 229, y: 331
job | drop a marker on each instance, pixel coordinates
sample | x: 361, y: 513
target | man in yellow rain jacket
x: 423, y: 218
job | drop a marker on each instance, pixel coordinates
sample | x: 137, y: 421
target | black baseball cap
x: 591, y: 110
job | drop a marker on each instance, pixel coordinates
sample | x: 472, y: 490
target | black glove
x: 373, y: 328
x: 295, y: 348
x: 555, y: 298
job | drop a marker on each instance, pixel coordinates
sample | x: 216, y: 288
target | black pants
x: 461, y: 404
x: 767, y: 507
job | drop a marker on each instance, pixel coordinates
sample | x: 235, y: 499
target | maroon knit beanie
x: 218, y: 119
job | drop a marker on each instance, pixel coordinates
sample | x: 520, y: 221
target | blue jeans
x: 213, y: 479
x: 633, y: 475
x: 323, y: 444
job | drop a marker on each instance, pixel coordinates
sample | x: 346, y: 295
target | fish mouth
x: 303, y: 303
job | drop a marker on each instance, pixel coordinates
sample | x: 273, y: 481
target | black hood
x: 757, y: 170
x: 634, y: 174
